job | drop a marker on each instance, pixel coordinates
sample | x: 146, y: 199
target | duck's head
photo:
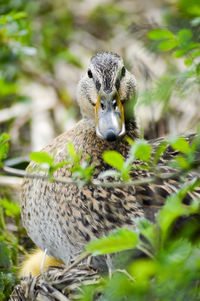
x: 104, y: 93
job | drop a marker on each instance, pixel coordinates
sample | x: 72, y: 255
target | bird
x: 62, y: 218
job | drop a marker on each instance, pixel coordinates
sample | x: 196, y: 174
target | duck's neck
x: 131, y: 128
x: 130, y: 121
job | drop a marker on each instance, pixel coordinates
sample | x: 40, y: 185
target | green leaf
x: 20, y: 15
x: 148, y: 230
x: 7, y: 88
x: 179, y: 53
x: 3, y: 138
x: 192, y: 46
x: 5, y: 256
x: 174, y: 208
x: 141, y: 150
x: 71, y: 150
x: 195, y: 22
x: 168, y: 214
x: 143, y: 270
x: 194, y: 9
x: 188, y: 61
x: 178, y: 251
x: 158, y: 34
x: 4, y: 146
x: 184, y: 36
x: 114, y: 159
x: 159, y: 152
x: 41, y: 157
x: 60, y: 165
x: 11, y: 209
x: 195, y: 53
x: 167, y: 45
x: 198, y: 69
x: 180, y: 144
x: 181, y: 162
x: 121, y: 239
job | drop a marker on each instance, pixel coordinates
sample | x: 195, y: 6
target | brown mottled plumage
x: 63, y: 218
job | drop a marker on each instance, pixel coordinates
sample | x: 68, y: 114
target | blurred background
x: 45, y: 47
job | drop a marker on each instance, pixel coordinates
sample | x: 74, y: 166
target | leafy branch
x: 181, y: 43
x: 97, y: 183
x: 141, y: 157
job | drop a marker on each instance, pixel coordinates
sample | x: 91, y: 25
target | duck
x: 62, y: 218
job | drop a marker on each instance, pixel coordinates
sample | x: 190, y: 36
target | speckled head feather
x: 106, y: 72
x: 106, y: 64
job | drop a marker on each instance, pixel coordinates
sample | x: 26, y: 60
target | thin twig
x: 10, y: 181
x: 141, y: 181
x: 144, y: 250
x: 43, y: 261
x: 22, y: 250
x: 79, y: 259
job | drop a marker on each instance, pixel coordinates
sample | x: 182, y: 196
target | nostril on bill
x: 111, y: 136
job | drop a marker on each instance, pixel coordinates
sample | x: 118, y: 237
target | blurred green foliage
x: 9, y: 240
x: 13, y: 33
x: 34, y: 35
x: 4, y: 146
x: 183, y: 46
x: 182, y: 42
x: 8, y: 249
x: 179, y: 37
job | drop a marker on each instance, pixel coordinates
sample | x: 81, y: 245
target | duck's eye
x: 114, y: 104
x: 90, y: 73
x: 102, y: 105
x: 123, y: 72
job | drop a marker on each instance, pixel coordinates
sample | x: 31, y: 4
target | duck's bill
x: 109, y: 116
